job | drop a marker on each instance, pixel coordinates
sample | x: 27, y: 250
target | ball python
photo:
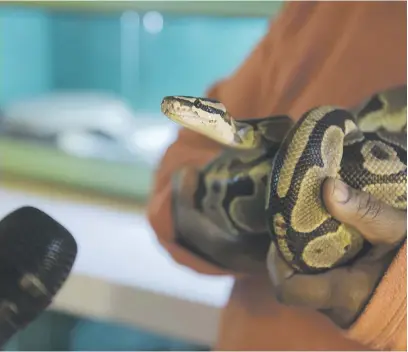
x: 36, y: 257
x: 268, y: 180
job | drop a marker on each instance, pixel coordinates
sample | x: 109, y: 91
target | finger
x: 313, y: 291
x: 378, y: 222
x: 340, y: 293
x: 278, y: 269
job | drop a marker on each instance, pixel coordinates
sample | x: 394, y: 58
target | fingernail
x: 341, y: 192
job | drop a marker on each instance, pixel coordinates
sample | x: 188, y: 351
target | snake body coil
x: 269, y: 180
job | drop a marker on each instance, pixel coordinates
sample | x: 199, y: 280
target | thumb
x: 378, y: 222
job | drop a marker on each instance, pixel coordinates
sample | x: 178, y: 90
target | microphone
x: 36, y: 257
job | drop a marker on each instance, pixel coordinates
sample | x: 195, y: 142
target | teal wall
x: 192, y: 53
x: 42, y: 50
x: 86, y: 52
x: 25, y: 54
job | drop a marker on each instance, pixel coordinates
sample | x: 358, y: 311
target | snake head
x: 202, y: 115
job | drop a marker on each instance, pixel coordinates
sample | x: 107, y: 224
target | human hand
x: 343, y: 292
x: 199, y: 234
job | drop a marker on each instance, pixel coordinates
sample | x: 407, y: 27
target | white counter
x: 122, y: 273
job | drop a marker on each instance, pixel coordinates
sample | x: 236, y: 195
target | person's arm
x: 192, y: 149
x: 240, y: 93
x: 189, y: 149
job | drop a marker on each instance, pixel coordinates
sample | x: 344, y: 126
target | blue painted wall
x: 25, y: 54
x: 86, y: 52
x: 190, y: 54
x: 42, y: 50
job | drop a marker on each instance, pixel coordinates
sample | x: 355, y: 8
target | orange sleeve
x: 309, y: 57
x: 189, y: 149
x: 196, y: 150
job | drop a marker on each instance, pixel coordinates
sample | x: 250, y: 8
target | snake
x: 36, y: 258
x: 266, y: 184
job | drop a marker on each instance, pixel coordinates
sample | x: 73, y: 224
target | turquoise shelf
x: 37, y: 162
x: 54, y: 331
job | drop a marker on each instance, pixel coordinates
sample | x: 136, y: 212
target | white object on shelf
x: 61, y: 111
x: 93, y: 124
x: 122, y: 273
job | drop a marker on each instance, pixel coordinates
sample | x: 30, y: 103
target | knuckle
x: 367, y: 207
x: 287, y: 295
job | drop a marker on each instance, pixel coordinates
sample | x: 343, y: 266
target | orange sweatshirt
x: 314, y: 53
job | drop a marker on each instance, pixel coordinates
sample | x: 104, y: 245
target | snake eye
x: 197, y: 103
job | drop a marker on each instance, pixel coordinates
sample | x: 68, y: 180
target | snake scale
x: 267, y: 182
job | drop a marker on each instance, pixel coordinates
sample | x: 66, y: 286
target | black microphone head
x: 36, y: 257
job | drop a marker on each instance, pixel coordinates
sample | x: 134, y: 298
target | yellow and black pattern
x: 375, y: 162
x: 268, y: 181
x: 230, y: 192
x: 230, y: 187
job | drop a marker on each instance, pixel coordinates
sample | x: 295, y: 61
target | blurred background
x: 80, y: 136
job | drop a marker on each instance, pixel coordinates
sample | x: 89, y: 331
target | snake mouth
x: 36, y: 257
x: 199, y: 121
x: 179, y: 112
